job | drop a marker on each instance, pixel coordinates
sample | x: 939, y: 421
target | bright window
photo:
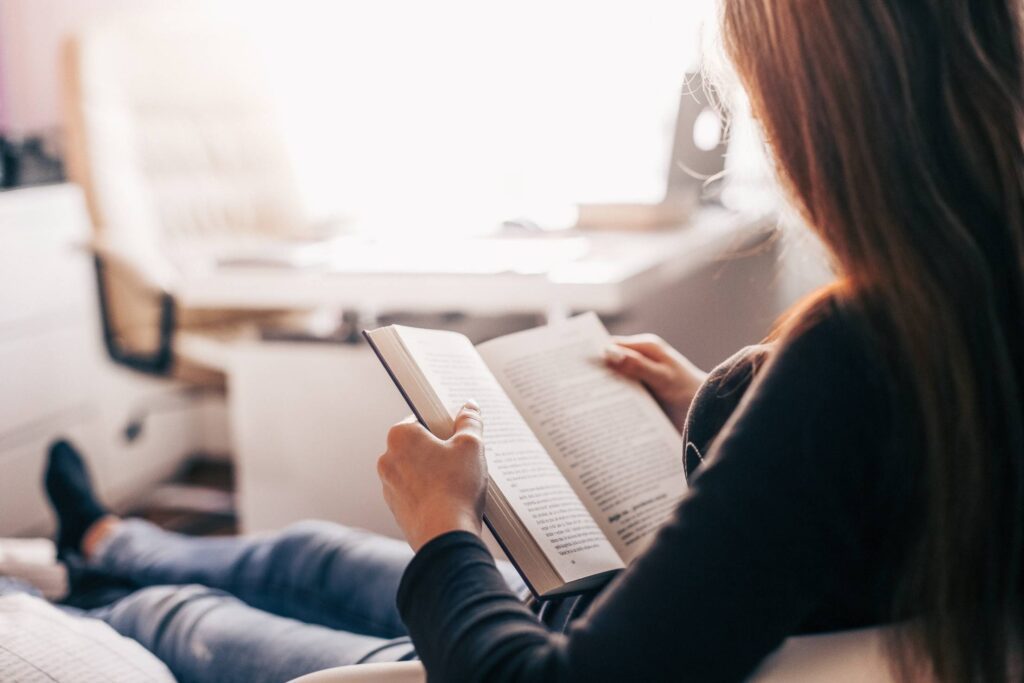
x: 465, y: 111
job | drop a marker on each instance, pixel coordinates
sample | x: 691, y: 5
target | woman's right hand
x: 669, y: 375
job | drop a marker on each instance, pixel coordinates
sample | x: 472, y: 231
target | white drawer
x: 45, y: 374
x: 44, y: 267
x: 36, y: 285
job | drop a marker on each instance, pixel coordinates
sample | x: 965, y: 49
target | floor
x: 198, y: 502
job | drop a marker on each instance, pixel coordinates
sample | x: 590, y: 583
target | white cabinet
x: 308, y: 423
x: 55, y: 378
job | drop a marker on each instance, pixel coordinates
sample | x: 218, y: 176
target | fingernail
x: 472, y: 405
x: 613, y: 354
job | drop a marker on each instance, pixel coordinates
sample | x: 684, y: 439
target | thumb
x: 637, y: 366
x: 468, y: 423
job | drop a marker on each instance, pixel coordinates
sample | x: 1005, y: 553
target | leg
x: 206, y: 635
x: 315, y: 572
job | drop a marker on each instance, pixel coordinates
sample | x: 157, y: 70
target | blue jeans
x: 260, y: 608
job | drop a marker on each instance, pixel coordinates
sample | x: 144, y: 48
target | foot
x: 72, y: 497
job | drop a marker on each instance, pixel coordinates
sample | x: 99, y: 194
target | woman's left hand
x: 434, y: 486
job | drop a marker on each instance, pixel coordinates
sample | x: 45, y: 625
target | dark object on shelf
x: 30, y: 161
x: 8, y: 164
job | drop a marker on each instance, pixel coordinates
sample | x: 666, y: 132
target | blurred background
x: 204, y: 203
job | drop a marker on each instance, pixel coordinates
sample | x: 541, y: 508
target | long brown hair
x: 896, y: 127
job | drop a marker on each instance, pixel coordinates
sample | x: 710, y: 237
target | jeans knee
x: 169, y: 597
x: 318, y: 527
x: 314, y: 532
x: 149, y: 612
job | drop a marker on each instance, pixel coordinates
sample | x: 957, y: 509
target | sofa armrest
x: 391, y: 672
x: 846, y: 657
x: 841, y: 657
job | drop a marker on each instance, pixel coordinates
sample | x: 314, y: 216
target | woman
x: 872, y: 471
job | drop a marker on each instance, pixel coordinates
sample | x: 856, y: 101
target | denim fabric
x: 315, y: 572
x: 204, y: 634
x: 260, y: 608
x: 10, y: 585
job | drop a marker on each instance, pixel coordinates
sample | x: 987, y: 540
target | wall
x: 31, y: 34
x: 733, y: 301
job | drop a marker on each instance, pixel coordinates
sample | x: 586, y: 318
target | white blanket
x: 39, y: 642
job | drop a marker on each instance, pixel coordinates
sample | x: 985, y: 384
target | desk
x: 614, y: 271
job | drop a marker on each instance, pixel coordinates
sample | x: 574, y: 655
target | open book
x: 583, y: 465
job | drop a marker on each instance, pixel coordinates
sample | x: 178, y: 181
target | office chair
x: 173, y: 137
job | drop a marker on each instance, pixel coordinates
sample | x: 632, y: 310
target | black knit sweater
x: 794, y: 522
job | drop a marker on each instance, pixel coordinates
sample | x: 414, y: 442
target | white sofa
x: 846, y: 657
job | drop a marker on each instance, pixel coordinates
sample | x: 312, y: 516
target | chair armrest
x: 160, y: 360
x: 146, y: 273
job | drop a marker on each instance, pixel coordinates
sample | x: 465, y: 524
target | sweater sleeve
x: 762, y: 537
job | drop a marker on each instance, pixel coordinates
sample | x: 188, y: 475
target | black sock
x: 71, y: 495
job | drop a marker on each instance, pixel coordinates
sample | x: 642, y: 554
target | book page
x: 608, y: 435
x: 516, y: 461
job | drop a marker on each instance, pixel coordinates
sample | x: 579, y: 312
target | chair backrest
x: 172, y: 133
